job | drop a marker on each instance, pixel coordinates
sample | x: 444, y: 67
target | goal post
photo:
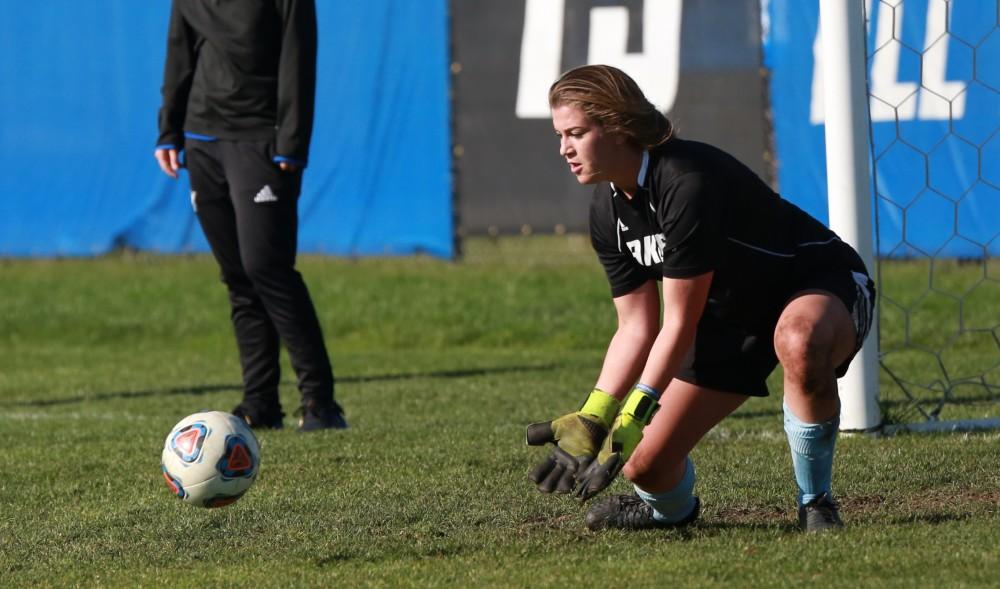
x: 932, y: 362
x: 849, y: 183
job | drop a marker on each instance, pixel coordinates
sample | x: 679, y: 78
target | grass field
x: 440, y: 367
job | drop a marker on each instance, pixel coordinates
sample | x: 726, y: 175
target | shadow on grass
x: 932, y: 519
x: 931, y: 508
x: 864, y: 512
x: 218, y: 388
x: 712, y: 526
x: 787, y: 526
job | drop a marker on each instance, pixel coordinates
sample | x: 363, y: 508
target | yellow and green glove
x: 626, y: 432
x: 577, y: 437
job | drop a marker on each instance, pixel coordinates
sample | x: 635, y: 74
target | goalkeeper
x: 743, y: 279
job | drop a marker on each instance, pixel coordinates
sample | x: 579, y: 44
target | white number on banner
x: 655, y: 70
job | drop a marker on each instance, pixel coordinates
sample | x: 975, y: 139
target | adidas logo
x: 622, y: 226
x: 265, y: 195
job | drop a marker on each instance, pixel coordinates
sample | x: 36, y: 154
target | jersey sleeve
x: 623, y: 274
x: 690, y: 216
x: 296, y: 79
x: 177, y: 74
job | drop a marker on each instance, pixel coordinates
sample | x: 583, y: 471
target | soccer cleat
x: 314, y: 415
x: 629, y: 512
x: 258, y: 418
x: 820, y: 515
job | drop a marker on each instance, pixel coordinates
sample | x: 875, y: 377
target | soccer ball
x: 210, y: 459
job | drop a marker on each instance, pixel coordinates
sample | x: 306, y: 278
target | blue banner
x: 79, y: 99
x: 934, y: 82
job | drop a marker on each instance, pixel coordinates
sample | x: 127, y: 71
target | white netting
x: 934, y: 90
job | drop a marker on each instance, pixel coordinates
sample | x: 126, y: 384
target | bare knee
x: 805, y: 350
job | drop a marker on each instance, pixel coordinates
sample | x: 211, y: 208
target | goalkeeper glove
x: 577, y: 437
x: 626, y: 432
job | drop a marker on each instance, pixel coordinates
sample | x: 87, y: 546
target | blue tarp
x: 78, y: 103
x: 935, y: 82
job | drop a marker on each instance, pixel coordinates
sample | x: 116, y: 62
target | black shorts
x: 731, y: 358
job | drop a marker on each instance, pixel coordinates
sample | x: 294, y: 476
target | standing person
x: 748, y: 280
x: 238, y: 97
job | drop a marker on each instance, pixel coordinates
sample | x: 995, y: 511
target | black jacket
x: 241, y: 70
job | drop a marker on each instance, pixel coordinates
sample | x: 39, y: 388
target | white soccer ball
x: 210, y: 459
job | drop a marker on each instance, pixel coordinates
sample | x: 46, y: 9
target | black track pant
x: 248, y: 209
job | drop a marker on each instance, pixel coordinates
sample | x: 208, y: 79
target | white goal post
x: 848, y: 183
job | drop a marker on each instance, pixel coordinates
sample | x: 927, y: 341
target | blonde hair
x: 609, y: 96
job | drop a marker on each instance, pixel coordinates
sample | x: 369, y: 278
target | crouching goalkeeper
x: 743, y: 279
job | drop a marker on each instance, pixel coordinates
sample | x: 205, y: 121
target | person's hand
x: 169, y: 160
x: 626, y: 432
x: 288, y: 166
x: 577, y: 437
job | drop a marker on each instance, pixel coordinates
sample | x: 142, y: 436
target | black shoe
x: 315, y: 415
x: 820, y: 515
x: 258, y: 417
x: 629, y: 512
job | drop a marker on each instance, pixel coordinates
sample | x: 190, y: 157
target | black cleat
x: 259, y: 418
x: 820, y: 515
x: 629, y: 512
x: 315, y: 415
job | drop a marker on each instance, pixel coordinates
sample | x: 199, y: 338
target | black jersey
x: 697, y: 210
x: 241, y: 70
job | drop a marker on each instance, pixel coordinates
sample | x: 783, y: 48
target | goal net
x: 934, y: 105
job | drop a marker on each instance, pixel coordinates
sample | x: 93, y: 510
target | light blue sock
x: 676, y: 504
x: 812, y: 453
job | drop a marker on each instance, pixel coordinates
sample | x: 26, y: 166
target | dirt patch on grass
x: 749, y: 514
x: 933, y: 500
x: 934, y: 504
x: 547, y: 522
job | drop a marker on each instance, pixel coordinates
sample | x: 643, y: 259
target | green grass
x: 440, y: 366
x: 940, y: 335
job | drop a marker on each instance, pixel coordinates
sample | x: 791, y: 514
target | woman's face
x: 589, y: 151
